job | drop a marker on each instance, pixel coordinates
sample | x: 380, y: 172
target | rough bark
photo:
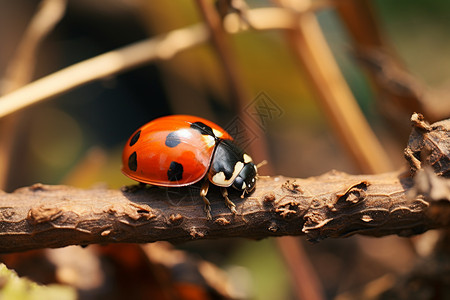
x: 332, y: 205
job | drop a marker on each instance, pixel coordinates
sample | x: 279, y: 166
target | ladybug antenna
x: 263, y: 163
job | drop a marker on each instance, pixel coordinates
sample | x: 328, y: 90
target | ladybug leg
x: 228, y: 202
x: 203, y: 192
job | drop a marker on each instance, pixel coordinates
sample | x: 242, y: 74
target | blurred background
x: 77, y: 138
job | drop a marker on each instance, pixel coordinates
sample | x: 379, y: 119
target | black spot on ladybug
x: 175, y: 171
x: 172, y: 139
x: 202, y: 128
x: 135, y: 138
x: 132, y: 161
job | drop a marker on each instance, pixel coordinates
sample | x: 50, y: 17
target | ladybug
x: 181, y: 150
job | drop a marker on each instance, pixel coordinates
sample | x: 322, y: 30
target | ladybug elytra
x: 181, y: 150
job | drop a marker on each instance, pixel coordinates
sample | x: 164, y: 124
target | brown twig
x: 239, y: 95
x: 400, y: 91
x: 304, y: 278
x: 332, y: 205
x: 21, y: 66
x: 20, y: 70
x: 164, y: 46
x: 334, y: 95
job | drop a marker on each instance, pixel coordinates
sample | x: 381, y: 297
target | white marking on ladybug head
x: 237, y: 169
x: 244, y: 186
x: 209, y: 140
x: 217, y: 133
x: 247, y: 158
x: 220, y: 180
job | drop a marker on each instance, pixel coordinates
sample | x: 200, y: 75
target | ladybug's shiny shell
x: 181, y: 150
x: 172, y: 151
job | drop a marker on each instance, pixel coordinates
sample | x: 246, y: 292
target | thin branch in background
x: 239, y: 94
x: 91, y: 69
x: 336, y: 98
x: 20, y: 71
x: 305, y: 280
x: 114, y: 62
x: 21, y: 67
x: 401, y: 93
x: 269, y: 18
x: 361, y: 22
x: 162, y: 47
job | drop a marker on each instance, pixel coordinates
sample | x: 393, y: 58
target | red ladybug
x: 181, y: 150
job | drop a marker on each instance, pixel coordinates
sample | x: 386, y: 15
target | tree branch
x: 332, y: 205
x: 335, y: 204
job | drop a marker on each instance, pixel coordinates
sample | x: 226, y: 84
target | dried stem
x: 239, y: 95
x: 401, y: 92
x: 20, y: 71
x: 305, y: 281
x: 162, y: 47
x: 134, y: 55
x: 311, y: 49
x: 21, y: 66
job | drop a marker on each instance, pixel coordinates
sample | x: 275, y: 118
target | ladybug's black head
x: 246, y: 180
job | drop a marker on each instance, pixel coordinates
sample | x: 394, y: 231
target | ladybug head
x: 246, y: 180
